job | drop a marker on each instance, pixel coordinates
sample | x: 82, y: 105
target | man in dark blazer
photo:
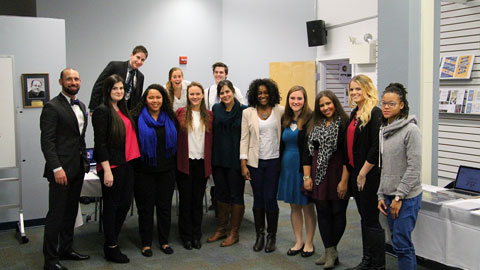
x: 128, y: 70
x: 63, y: 123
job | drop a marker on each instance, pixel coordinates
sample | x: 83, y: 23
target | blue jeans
x: 401, y: 229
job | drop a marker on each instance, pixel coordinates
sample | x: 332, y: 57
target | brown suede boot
x: 223, y: 216
x: 237, y: 216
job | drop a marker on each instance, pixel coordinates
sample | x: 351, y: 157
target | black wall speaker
x: 317, y: 34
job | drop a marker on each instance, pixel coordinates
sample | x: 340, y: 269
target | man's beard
x: 70, y: 92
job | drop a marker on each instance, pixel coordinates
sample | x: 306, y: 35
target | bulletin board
x: 288, y: 74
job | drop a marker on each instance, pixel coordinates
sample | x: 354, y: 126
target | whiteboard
x: 7, y: 114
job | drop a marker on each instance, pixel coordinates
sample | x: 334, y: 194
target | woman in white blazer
x: 260, y: 156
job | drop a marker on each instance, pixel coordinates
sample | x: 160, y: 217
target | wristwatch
x: 306, y: 177
x: 397, y: 198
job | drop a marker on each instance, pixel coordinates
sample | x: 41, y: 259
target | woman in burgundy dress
x: 325, y: 175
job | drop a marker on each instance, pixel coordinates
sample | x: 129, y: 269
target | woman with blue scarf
x: 155, y: 171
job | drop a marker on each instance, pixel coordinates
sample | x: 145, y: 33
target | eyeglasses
x: 388, y: 104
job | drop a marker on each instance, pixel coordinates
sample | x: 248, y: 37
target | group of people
x: 145, y: 142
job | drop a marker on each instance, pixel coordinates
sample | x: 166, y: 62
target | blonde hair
x: 370, y: 94
x: 305, y: 114
x: 169, y: 86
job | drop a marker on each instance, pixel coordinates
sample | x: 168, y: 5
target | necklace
x: 264, y: 115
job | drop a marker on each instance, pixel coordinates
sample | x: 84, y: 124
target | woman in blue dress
x: 297, y: 115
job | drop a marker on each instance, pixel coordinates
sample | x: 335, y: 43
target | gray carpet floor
x: 88, y: 240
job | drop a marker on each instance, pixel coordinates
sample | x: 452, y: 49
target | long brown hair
x: 169, y: 86
x: 187, y: 120
x: 319, y: 117
x: 304, y: 115
x: 117, y: 129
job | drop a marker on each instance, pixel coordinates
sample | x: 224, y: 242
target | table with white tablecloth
x: 447, y: 233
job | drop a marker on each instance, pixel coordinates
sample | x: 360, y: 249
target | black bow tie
x: 74, y: 102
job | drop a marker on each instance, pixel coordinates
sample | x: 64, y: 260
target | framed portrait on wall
x: 35, y: 90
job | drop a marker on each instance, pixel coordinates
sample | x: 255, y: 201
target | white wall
x: 246, y: 35
x: 338, y: 43
x: 101, y: 31
x: 38, y: 46
x: 257, y: 32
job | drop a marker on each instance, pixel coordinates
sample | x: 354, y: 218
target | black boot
x: 272, y: 221
x: 377, y: 239
x: 366, y: 262
x: 259, y: 217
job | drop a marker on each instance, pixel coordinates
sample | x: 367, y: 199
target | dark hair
x: 319, y: 117
x: 166, y: 105
x: 117, y: 129
x: 401, y: 91
x: 222, y: 83
x: 61, y: 73
x: 220, y: 64
x: 140, y: 48
x: 187, y: 120
x: 271, y: 85
x: 305, y: 114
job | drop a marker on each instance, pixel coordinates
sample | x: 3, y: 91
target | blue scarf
x: 148, y: 137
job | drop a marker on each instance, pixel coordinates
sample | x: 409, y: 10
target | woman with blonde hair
x: 362, y: 163
x: 177, y: 88
x: 194, y: 152
x: 297, y: 115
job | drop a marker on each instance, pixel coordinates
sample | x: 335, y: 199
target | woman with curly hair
x: 193, y: 164
x: 362, y: 163
x: 326, y: 177
x: 260, y: 156
x: 155, y: 171
x: 400, y: 191
x: 177, y: 88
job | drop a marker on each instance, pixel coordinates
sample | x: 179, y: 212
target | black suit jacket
x: 120, y: 68
x: 62, y: 143
x: 104, y: 149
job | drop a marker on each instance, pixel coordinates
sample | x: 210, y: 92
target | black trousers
x: 61, y: 216
x: 116, y: 201
x: 332, y: 220
x: 367, y: 200
x: 191, y: 188
x: 154, y: 190
x: 229, y: 185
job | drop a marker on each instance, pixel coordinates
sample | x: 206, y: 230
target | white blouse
x: 269, y: 142
x: 196, y: 138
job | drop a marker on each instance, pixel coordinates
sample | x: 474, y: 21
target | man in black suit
x: 128, y: 70
x: 63, y: 123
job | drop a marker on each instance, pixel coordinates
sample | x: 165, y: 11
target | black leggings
x: 332, y: 220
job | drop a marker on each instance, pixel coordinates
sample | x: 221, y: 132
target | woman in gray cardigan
x: 400, y: 190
